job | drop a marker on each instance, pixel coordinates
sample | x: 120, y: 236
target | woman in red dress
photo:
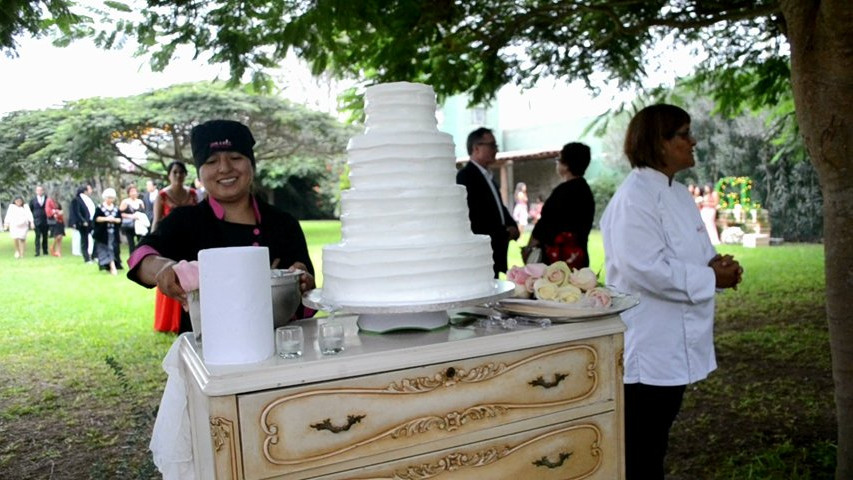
x: 167, y: 311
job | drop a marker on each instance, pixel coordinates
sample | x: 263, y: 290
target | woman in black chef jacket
x: 230, y: 216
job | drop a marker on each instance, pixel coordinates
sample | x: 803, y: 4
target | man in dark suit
x: 148, y: 200
x: 39, y: 220
x: 80, y: 218
x: 489, y: 216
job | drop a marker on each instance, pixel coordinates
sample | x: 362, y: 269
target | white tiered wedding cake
x: 405, y: 234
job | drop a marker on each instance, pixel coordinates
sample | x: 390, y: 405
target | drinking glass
x: 289, y: 341
x: 330, y: 338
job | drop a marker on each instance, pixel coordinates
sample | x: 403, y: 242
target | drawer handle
x: 327, y: 424
x: 544, y: 462
x: 541, y: 382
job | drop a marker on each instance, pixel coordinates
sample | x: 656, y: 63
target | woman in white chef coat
x: 656, y: 245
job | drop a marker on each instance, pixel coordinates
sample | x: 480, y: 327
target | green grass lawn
x: 80, y: 375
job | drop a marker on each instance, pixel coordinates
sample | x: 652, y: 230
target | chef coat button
x: 256, y: 231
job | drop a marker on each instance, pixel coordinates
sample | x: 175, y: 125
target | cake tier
x: 380, y: 160
x: 354, y: 275
x: 367, y: 146
x: 401, y: 216
x: 399, y: 106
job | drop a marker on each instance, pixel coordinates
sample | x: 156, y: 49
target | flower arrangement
x: 559, y: 283
x: 735, y: 191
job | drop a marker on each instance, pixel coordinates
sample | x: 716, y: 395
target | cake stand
x: 406, y: 316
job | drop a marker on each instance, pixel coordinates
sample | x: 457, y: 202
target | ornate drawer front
x: 303, y: 428
x: 583, y: 449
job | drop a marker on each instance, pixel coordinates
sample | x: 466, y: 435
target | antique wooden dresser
x: 457, y: 403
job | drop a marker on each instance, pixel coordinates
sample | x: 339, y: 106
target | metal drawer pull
x: 540, y: 382
x: 544, y: 462
x: 327, y: 424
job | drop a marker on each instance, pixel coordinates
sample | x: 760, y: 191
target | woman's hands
x: 727, y: 271
x: 167, y: 281
x: 306, y: 280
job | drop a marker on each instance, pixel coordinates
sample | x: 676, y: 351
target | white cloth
x: 171, y: 442
x: 140, y: 223
x: 18, y: 221
x: 486, y: 173
x: 656, y: 245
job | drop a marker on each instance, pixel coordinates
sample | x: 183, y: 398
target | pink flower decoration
x: 599, y: 297
x: 535, y: 270
x: 187, y: 274
x: 517, y: 275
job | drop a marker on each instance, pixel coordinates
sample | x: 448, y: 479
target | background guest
x: 519, y: 210
x: 40, y: 220
x: 536, y: 209
x: 107, y: 223
x: 488, y: 215
x: 149, y: 198
x: 563, y: 228
x: 18, y: 221
x: 230, y: 216
x: 655, y: 246
x: 176, y: 194
x: 128, y: 208
x: 167, y: 311
x: 708, y: 211
x: 56, y: 224
x: 81, y: 211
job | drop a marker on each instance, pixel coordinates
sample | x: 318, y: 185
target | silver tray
x: 500, y: 289
x: 566, y: 312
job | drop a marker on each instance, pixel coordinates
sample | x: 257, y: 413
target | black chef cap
x: 221, y: 136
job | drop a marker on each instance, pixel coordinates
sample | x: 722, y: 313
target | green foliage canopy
x: 86, y: 138
x: 473, y: 46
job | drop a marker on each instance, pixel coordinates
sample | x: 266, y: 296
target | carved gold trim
x: 459, y: 460
x: 450, y: 421
x: 222, y: 434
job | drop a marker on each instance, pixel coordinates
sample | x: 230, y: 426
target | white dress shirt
x: 90, y: 205
x: 656, y: 246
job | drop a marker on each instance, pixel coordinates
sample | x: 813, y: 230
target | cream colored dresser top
x: 456, y: 403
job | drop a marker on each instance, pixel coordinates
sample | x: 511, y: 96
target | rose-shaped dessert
x: 545, y: 290
x: 521, y: 291
x: 599, y: 297
x: 558, y: 273
x: 535, y: 269
x: 569, y: 294
x: 517, y: 275
x: 585, y: 279
x: 529, y: 284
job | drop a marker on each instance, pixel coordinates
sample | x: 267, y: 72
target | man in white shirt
x: 488, y: 215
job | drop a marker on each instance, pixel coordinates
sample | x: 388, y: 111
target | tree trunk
x: 821, y: 37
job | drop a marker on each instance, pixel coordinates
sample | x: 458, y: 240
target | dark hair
x: 129, y: 187
x: 476, y: 136
x: 17, y: 197
x: 178, y: 164
x: 576, y: 157
x: 81, y: 189
x: 647, y: 131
